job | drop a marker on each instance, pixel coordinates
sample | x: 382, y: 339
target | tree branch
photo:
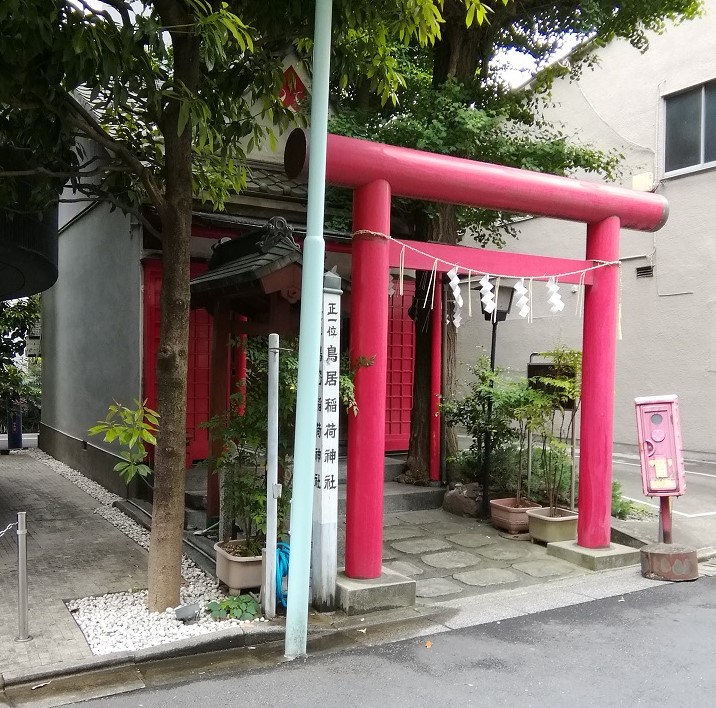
x: 61, y: 173
x: 85, y: 121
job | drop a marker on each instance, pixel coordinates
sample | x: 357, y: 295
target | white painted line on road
x: 653, y: 506
x: 634, y: 464
x: 673, y: 511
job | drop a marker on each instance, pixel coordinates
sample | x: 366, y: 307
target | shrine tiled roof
x: 269, y: 179
x: 237, y: 263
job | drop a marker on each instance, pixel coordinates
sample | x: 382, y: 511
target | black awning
x: 28, y: 253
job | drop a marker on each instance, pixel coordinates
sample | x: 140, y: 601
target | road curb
x: 230, y: 638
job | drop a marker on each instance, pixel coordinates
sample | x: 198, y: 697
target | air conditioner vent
x: 645, y: 271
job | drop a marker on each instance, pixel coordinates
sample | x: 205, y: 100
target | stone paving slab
x: 451, y: 559
x: 442, y: 528
x: 471, y: 539
x: 421, y: 544
x: 405, y: 568
x: 487, y: 576
x: 502, y: 552
x: 436, y: 587
x: 428, y: 517
x: 397, y: 533
x: 544, y: 568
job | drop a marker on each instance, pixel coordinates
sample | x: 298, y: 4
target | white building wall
x: 668, y: 321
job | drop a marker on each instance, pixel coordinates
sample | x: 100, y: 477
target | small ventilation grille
x: 645, y: 271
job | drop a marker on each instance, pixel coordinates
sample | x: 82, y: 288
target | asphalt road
x: 652, y: 648
x: 700, y: 497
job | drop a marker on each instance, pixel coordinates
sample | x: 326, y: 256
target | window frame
x: 702, y: 165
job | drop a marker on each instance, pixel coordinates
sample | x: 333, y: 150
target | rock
x: 462, y: 501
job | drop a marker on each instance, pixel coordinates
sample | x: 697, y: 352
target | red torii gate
x: 376, y: 172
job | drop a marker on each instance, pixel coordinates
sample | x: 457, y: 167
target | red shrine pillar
x: 601, y: 304
x: 436, y: 372
x: 218, y: 397
x: 369, y: 338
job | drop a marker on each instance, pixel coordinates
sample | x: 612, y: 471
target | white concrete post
x: 325, y: 483
x: 273, y: 488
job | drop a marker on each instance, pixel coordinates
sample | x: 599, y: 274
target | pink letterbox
x: 660, y: 447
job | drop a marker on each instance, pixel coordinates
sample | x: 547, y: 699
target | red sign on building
x: 293, y: 91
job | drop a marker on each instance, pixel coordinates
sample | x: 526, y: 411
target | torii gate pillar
x: 601, y: 312
x: 369, y: 338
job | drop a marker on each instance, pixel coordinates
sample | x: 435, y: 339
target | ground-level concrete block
x: 389, y: 591
x: 669, y: 561
x: 616, y: 556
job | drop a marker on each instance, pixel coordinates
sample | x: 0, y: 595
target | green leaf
x: 146, y: 435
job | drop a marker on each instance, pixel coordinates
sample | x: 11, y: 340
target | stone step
x: 195, y: 494
x: 401, y: 497
x: 393, y: 467
x: 396, y: 497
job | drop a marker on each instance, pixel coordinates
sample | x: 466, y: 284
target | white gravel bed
x: 121, y: 621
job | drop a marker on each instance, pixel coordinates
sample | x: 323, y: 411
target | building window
x: 691, y: 128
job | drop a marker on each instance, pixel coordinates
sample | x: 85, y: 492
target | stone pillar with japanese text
x: 325, y: 485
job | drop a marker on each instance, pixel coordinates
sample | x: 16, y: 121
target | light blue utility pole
x: 309, y: 344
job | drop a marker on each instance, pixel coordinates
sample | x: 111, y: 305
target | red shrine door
x: 401, y: 357
x: 197, y: 398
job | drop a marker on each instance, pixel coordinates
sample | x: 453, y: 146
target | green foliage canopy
x: 17, y: 318
x: 453, y: 100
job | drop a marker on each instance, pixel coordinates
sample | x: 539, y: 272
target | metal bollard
x: 23, y: 635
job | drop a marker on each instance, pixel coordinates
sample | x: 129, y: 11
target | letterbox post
x: 663, y: 476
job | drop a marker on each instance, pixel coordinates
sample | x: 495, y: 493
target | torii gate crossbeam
x: 376, y: 172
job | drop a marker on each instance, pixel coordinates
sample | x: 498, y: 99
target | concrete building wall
x: 669, y: 320
x: 91, y: 340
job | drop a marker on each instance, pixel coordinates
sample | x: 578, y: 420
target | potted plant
x: 560, y: 384
x: 525, y: 405
x: 239, y: 563
x: 513, y: 408
x: 242, y: 464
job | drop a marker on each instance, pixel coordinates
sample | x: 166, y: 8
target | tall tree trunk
x: 442, y: 228
x: 460, y: 52
x: 417, y: 465
x: 165, y: 548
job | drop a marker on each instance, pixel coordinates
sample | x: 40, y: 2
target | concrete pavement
x: 466, y: 574
x: 71, y: 552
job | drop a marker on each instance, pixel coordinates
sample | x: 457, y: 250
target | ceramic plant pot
x: 238, y: 572
x: 509, y: 517
x: 547, y: 529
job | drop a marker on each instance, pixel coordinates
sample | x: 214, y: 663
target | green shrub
x: 621, y: 507
x: 242, y: 607
x: 558, y: 479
